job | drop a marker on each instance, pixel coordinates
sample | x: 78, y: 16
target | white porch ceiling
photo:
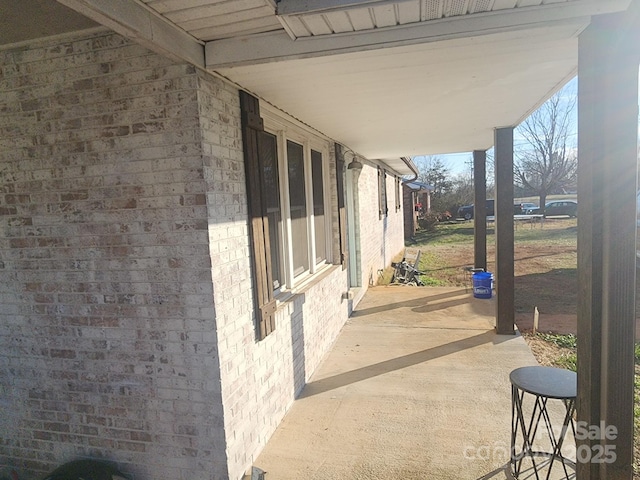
x: 387, y: 78
x: 441, y: 97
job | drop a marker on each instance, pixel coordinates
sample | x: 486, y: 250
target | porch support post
x: 480, y: 213
x: 505, y: 306
x: 608, y: 57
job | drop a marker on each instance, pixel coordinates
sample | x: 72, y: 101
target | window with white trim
x: 299, y: 232
x: 286, y: 172
x: 383, y: 209
x: 270, y: 178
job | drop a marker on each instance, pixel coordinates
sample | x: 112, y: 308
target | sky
x: 458, y: 163
x: 461, y: 163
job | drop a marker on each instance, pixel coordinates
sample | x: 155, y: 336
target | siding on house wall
x: 223, y: 161
x: 126, y: 310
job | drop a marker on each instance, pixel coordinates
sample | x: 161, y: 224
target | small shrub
x: 432, y: 282
x: 428, y: 221
x: 568, y: 361
x: 564, y: 341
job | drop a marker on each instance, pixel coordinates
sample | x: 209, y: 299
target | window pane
x: 318, y: 206
x: 269, y: 161
x: 382, y: 192
x: 297, y: 203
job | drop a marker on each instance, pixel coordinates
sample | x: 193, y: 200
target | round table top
x: 548, y: 382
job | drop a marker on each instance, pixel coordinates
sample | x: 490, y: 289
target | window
x: 398, y: 195
x: 268, y: 152
x: 303, y: 236
x: 286, y: 168
x: 298, y: 208
x: 317, y: 177
x: 294, y: 175
x: 382, y: 193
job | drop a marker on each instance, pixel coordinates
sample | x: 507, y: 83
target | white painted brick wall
x: 107, y: 325
x: 126, y: 306
x: 394, y: 234
x: 381, y: 239
x: 259, y: 379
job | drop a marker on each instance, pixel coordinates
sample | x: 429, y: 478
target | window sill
x: 287, y: 296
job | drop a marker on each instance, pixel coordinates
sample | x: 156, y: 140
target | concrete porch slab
x: 416, y: 387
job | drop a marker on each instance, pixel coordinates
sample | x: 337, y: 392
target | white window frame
x: 323, y: 149
x: 284, y: 131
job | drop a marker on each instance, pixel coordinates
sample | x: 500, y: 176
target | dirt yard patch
x: 547, y: 353
x: 545, y: 269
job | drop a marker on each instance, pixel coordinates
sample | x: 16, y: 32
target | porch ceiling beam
x: 135, y: 21
x: 299, y: 7
x: 278, y: 46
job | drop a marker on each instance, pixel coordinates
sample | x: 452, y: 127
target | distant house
x: 416, y: 200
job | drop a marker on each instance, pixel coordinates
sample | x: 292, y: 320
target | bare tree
x: 548, y: 162
x: 433, y: 171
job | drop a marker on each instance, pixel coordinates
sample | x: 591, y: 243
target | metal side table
x: 544, y: 383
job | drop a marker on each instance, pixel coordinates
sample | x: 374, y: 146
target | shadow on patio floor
x: 415, y: 387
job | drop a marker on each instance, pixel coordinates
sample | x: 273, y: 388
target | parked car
x: 558, y: 208
x: 466, y: 211
x: 526, y: 208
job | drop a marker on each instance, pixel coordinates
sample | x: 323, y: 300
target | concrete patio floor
x: 415, y: 387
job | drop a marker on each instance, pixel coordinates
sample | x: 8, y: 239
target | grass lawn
x: 546, y: 278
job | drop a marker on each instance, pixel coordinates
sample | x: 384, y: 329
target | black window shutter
x: 342, y: 210
x: 252, y: 130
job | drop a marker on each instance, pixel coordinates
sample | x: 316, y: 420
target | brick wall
x: 259, y: 379
x: 107, y: 323
x: 126, y: 311
x: 381, y: 239
x: 126, y: 306
x: 393, y: 227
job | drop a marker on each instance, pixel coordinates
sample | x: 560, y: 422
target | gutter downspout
x: 409, y: 163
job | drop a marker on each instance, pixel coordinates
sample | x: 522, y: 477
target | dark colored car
x: 466, y: 211
x: 558, y: 208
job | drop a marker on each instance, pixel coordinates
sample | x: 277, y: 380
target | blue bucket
x: 482, y: 284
